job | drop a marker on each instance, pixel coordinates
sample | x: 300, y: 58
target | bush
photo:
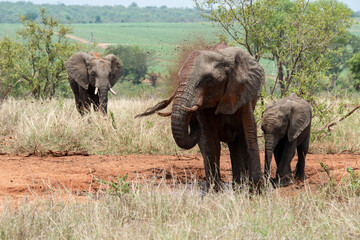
x: 33, y: 61
x: 136, y: 61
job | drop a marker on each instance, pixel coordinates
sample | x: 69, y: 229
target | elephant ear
x: 245, y: 78
x: 300, y: 117
x: 76, y: 68
x: 116, y: 68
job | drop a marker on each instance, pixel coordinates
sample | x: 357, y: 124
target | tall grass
x: 37, y: 126
x: 40, y: 126
x: 177, y: 212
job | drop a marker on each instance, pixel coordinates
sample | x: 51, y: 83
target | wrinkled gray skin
x: 286, y: 126
x: 217, y: 92
x: 86, y: 71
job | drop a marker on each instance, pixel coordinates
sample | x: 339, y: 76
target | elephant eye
x: 92, y: 73
x: 208, y: 80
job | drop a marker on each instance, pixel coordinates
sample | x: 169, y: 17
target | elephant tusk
x: 164, y: 114
x: 96, y: 90
x: 192, y: 109
x: 112, y: 91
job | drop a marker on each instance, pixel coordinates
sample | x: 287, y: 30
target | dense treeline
x: 356, y: 14
x: 9, y: 13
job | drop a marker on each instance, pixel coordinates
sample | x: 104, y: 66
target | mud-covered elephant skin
x: 286, y: 126
x: 91, y: 77
x: 215, y: 99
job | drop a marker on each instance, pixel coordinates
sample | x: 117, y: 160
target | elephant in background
x: 91, y: 77
x: 217, y: 92
x: 286, y: 126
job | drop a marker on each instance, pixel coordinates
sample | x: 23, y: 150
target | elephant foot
x: 212, y: 186
x: 300, y: 176
x: 284, y: 181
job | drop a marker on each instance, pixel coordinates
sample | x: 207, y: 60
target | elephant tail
x: 159, y: 106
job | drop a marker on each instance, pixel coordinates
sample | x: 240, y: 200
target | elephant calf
x: 91, y: 77
x: 286, y: 126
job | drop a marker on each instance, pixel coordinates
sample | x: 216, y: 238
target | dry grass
x: 40, y: 126
x: 180, y: 212
x: 344, y: 137
x: 32, y: 126
x: 150, y: 211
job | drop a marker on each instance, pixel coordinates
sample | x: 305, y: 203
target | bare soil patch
x: 22, y: 175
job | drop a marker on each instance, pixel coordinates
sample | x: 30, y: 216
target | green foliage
x: 296, y: 35
x: 354, y: 181
x: 108, y: 14
x: 354, y: 66
x: 348, y: 184
x: 31, y: 16
x: 343, y: 48
x: 98, y: 19
x: 113, y: 122
x: 35, y: 58
x: 118, y: 188
x: 136, y: 61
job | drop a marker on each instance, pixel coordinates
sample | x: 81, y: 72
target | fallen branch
x: 67, y: 153
x: 330, y: 125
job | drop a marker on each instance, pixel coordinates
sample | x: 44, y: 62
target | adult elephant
x: 286, y: 126
x: 91, y: 77
x: 217, y: 92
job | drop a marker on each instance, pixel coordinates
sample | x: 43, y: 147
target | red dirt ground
x: 31, y: 176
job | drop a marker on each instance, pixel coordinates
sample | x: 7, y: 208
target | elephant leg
x: 209, y: 144
x: 75, y: 88
x: 302, y: 150
x: 283, y: 171
x: 252, y: 149
x: 278, y: 151
x: 211, y: 157
x: 84, y: 101
x: 238, y: 155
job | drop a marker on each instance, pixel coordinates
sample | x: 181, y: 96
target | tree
x: 354, y: 66
x: 343, y: 48
x: 296, y: 35
x: 36, y: 57
x: 98, y: 19
x: 135, y: 61
x: 31, y: 16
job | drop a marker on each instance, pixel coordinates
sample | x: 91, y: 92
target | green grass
x: 6, y: 28
x: 355, y: 29
x: 161, y: 38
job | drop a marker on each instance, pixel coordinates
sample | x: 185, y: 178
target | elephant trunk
x: 103, y: 99
x: 181, y: 120
x: 269, y: 148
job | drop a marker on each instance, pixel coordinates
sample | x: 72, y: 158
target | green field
x: 8, y: 29
x: 356, y: 27
x: 161, y: 38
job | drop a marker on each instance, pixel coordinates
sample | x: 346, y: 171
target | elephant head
x: 220, y: 78
x: 91, y: 69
